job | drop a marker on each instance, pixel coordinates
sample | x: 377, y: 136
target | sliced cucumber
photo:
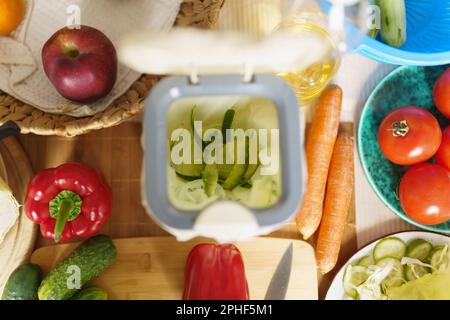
x: 366, y: 261
x: 393, y: 21
x: 246, y: 185
x: 193, y: 115
x: 389, y: 247
x: 225, y: 168
x: 252, y: 168
x: 209, y: 118
x: 439, y: 258
x: 178, y: 118
x: 235, y: 177
x: 418, y: 249
x: 189, y: 171
x: 414, y: 271
x: 227, y: 122
x: 354, y: 276
x: 187, y: 178
x: 210, y: 178
x: 237, y: 174
x: 395, y: 277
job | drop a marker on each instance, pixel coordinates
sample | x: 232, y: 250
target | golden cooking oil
x: 308, y: 83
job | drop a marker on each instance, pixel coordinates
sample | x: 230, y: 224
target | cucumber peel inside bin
x: 236, y: 176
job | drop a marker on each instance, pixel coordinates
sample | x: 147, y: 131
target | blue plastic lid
x: 428, y: 36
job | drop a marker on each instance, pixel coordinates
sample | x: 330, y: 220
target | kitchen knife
x: 280, y: 280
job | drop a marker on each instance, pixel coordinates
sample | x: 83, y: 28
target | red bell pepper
x: 67, y: 201
x: 215, y: 272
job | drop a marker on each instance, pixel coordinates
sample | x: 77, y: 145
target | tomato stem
x: 400, y: 128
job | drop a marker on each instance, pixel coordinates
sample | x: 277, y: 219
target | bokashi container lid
x: 213, y: 73
x: 186, y: 51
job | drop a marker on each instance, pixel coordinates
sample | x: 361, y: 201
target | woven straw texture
x: 195, y: 13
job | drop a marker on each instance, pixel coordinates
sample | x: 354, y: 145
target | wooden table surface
x: 117, y: 153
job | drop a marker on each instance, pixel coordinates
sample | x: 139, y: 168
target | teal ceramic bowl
x: 407, y: 85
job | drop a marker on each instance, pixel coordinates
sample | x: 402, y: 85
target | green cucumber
x: 389, y: 247
x: 418, y: 249
x: 23, y: 283
x: 396, y: 276
x: 91, y: 258
x: 393, y: 21
x: 439, y: 258
x: 413, y: 271
x: 91, y: 293
x: 210, y: 178
x: 366, y: 261
x: 353, y: 277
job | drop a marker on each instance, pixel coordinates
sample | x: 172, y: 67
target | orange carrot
x: 337, y: 203
x: 319, y: 149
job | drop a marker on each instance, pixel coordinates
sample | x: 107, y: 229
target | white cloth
x: 358, y: 76
x: 21, y: 71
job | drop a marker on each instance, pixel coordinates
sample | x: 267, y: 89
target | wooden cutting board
x: 117, y: 153
x: 153, y: 268
x: 18, y: 244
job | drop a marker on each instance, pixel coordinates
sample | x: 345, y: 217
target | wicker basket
x: 196, y: 13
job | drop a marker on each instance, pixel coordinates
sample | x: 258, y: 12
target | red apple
x: 80, y: 63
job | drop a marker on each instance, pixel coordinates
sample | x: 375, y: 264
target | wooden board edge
x: 26, y: 244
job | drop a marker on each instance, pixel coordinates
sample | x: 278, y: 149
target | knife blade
x: 280, y: 280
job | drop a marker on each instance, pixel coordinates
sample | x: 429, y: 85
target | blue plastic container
x: 428, y: 36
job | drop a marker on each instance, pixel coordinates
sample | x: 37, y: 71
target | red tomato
x: 425, y: 193
x: 441, y: 93
x: 409, y: 135
x: 443, y: 154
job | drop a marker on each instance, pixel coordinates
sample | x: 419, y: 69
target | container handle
x: 226, y: 221
x: 8, y: 129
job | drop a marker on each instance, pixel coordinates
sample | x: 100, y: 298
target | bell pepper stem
x: 63, y: 216
x: 66, y: 206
